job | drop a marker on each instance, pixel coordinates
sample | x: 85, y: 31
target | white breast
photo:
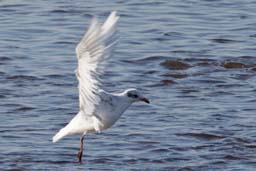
x: 110, y: 109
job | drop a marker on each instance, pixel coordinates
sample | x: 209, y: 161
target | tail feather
x: 73, y: 127
x: 62, y: 133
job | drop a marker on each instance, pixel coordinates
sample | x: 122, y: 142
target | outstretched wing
x: 93, y: 52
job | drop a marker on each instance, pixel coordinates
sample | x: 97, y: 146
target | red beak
x: 144, y: 100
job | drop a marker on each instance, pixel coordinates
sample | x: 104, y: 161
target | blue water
x: 202, y: 114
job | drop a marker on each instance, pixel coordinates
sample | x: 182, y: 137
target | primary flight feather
x: 99, y: 109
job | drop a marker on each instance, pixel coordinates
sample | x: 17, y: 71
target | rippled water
x: 195, y: 60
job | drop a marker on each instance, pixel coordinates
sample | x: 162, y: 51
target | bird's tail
x: 71, y: 128
x: 62, y: 133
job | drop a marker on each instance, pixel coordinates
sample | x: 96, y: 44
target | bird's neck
x: 123, y: 101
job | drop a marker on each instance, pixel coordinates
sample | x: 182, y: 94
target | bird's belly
x: 108, y: 122
x: 110, y: 111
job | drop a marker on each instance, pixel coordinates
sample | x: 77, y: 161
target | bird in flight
x: 99, y: 109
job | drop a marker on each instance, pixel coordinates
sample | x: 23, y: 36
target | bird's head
x: 134, y: 96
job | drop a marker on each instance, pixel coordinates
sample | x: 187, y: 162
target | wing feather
x: 93, y: 51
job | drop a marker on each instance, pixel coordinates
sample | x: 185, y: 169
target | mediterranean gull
x: 99, y: 109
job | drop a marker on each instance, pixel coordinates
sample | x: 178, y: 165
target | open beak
x: 144, y: 100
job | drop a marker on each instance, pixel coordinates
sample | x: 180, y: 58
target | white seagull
x: 99, y: 109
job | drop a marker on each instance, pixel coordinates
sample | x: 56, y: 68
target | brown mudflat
x: 175, y: 64
x: 168, y: 82
x: 233, y: 65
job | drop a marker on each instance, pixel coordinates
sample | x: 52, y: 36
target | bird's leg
x: 80, y: 153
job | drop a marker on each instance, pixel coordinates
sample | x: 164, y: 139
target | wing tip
x: 54, y: 139
x: 110, y: 21
x: 113, y: 13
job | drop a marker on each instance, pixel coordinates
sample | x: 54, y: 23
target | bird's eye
x: 132, y: 95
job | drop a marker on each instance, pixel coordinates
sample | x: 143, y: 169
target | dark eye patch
x: 129, y: 94
x: 132, y: 95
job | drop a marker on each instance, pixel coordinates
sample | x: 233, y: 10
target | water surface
x: 194, y: 59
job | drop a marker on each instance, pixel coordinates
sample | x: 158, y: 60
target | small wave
x: 68, y: 11
x: 3, y: 58
x: 253, y: 69
x: 204, y: 136
x: 157, y: 161
x: 12, y: 6
x: 200, y: 147
x: 253, y: 35
x: 55, y: 76
x: 186, y: 168
x: 101, y: 160
x: 160, y: 150
x: 163, y: 83
x: 146, y: 3
x: 23, y: 77
x: 172, y: 159
x: 150, y: 31
x: 177, y: 75
x: 220, y: 40
x: 130, y: 161
x: 135, y: 42
x: 64, y: 42
x: 251, y: 146
x: 147, y: 142
x: 211, y: 81
x: 17, y: 169
x: 24, y: 108
x: 173, y: 34
x: 232, y: 157
x: 59, y: 11
x: 149, y: 58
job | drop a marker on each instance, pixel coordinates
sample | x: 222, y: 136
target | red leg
x: 80, y: 153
